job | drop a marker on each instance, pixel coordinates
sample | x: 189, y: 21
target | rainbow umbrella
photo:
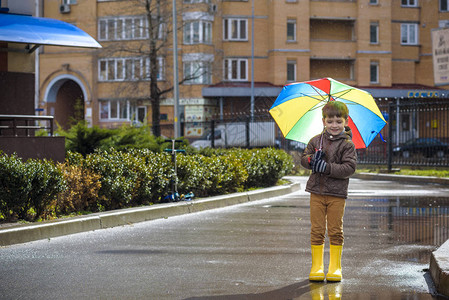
x: 298, y: 110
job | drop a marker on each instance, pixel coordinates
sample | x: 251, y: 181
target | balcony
x: 332, y: 49
x: 334, y: 9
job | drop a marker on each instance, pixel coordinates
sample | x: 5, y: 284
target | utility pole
x: 252, y: 60
x: 176, y: 124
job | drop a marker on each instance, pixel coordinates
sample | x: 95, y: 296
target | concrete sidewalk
x: 439, y: 264
x: 22, y: 233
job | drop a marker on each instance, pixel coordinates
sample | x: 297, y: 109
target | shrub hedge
x: 111, y: 179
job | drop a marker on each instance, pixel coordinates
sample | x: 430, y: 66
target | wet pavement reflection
x: 388, y: 245
x: 256, y: 250
x: 419, y: 221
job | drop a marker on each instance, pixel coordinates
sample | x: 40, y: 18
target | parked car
x: 428, y: 147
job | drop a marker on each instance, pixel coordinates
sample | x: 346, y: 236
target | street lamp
x: 176, y: 124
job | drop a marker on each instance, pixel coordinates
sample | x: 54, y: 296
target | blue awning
x: 43, y: 31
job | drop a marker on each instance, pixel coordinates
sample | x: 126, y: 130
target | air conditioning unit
x: 443, y: 23
x: 212, y: 8
x: 64, y: 8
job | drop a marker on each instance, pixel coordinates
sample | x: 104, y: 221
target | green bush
x: 15, y: 186
x: 129, y: 137
x: 28, y: 186
x: 112, y: 179
x: 265, y: 166
x: 46, y: 182
x: 84, y: 139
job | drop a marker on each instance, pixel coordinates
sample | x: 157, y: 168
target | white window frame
x: 230, y: 23
x: 375, y: 26
x: 228, y: 68
x: 126, y: 69
x: 201, y: 29
x: 440, y: 5
x: 116, y: 28
x: 69, y: 2
x: 291, y: 22
x: 201, y: 67
x: 291, y: 63
x: 374, y: 66
x: 409, y: 3
x: 122, y: 112
x: 409, y: 34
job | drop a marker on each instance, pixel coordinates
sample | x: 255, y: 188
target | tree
x: 154, y: 44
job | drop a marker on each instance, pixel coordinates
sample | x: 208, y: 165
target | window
x: 198, y: 32
x: 374, y: 33
x: 373, y: 2
x: 374, y: 72
x: 114, y: 110
x: 291, y: 71
x: 291, y: 30
x: 235, y: 69
x: 127, y: 69
x: 235, y: 29
x: 126, y: 28
x: 409, y: 3
x: 409, y: 34
x: 199, y: 72
x: 444, y: 5
x: 69, y: 1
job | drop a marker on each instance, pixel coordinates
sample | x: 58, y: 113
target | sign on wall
x: 440, y: 54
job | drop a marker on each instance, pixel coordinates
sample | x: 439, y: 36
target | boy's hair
x: 335, y: 109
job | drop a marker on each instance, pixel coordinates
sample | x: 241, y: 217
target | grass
x: 406, y: 171
x: 435, y: 172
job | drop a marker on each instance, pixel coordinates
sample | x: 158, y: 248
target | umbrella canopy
x: 298, y: 110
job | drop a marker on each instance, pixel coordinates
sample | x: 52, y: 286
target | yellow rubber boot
x: 334, y: 273
x: 317, y: 270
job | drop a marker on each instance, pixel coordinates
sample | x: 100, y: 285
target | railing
x: 24, y: 125
x: 417, y: 134
x: 410, y: 122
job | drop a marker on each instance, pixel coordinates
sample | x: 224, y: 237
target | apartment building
x: 230, y: 51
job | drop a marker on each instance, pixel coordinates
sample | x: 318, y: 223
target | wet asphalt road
x: 257, y: 250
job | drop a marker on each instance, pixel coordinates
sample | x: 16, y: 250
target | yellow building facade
x: 372, y: 44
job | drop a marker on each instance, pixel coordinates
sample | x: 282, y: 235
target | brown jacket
x: 341, y: 157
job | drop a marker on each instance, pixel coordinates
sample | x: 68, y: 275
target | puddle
x: 417, y: 221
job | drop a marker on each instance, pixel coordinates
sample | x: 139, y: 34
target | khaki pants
x: 326, y: 210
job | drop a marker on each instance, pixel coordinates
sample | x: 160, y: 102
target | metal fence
x: 417, y: 134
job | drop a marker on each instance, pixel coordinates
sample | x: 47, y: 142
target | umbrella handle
x: 321, y: 140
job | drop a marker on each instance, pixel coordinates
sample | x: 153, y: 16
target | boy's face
x: 335, y: 125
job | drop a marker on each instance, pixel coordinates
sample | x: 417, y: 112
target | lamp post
x: 175, y: 74
x: 252, y: 60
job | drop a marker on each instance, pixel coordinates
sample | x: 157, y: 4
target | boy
x: 332, y: 157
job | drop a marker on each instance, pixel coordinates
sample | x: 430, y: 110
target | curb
x: 27, y: 233
x: 439, y: 268
x: 404, y: 178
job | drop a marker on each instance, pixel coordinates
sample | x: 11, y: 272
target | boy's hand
x: 317, y: 163
x: 318, y: 155
x: 319, y: 166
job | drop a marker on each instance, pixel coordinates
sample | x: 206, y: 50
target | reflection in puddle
x: 407, y: 220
